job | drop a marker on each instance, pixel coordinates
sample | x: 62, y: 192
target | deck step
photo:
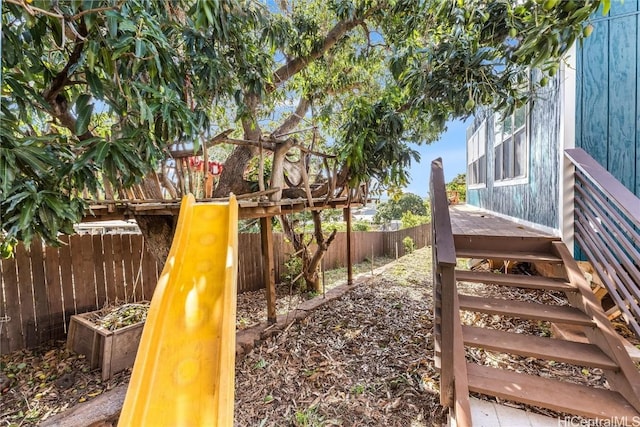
x: 525, y: 310
x: 575, y: 353
x: 508, y: 255
x: 547, y: 393
x: 515, y: 280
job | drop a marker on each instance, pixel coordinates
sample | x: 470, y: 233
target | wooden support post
x: 268, y: 270
x: 347, y: 218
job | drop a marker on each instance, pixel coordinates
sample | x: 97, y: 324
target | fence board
x: 90, y: 302
x: 13, y: 328
x: 4, y: 319
x: 66, y: 278
x: 89, y: 271
x: 109, y: 268
x: 79, y: 291
x: 54, y: 291
x: 118, y: 270
x: 98, y: 262
x: 127, y: 265
x: 40, y: 297
x: 25, y: 284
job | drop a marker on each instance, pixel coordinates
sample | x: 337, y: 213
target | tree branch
x: 31, y: 10
x: 96, y: 10
x: 294, y: 119
x: 58, y: 103
x: 296, y: 65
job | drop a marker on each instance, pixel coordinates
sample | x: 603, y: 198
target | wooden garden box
x: 111, y: 351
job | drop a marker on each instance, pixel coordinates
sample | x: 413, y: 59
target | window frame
x: 511, y: 138
x: 477, y: 155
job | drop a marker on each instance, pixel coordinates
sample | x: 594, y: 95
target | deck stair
x: 604, y: 350
x: 563, y: 298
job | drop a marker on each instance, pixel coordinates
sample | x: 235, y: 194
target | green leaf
x: 101, y: 151
x: 26, y: 214
x: 112, y: 23
x: 140, y: 48
x: 84, y: 111
x: 95, y: 84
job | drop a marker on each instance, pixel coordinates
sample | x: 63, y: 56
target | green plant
x: 361, y: 226
x: 268, y: 399
x: 408, y: 244
x: 358, y: 389
x: 459, y: 185
x: 412, y: 220
x: 308, y: 417
x: 330, y: 226
x: 293, y: 270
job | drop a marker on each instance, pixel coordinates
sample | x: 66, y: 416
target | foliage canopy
x: 394, y: 209
x: 96, y: 91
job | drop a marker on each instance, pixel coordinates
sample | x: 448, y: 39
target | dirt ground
x: 39, y: 383
x: 364, y: 359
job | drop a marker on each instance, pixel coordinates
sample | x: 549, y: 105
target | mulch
x: 363, y: 359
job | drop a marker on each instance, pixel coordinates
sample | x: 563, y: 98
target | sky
x: 451, y: 147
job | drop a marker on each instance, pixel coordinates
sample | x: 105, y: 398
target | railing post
x: 448, y: 345
x: 567, y: 204
x: 567, y: 140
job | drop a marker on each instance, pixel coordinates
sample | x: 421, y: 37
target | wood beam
x: 268, y: 269
x: 347, y: 218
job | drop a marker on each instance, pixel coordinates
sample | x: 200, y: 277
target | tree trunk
x: 158, y: 231
x: 277, y: 168
x: 231, y: 179
x: 310, y: 262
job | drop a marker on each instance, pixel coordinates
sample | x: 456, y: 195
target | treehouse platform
x: 248, y: 208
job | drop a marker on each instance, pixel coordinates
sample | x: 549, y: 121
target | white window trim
x: 521, y: 179
x: 471, y: 160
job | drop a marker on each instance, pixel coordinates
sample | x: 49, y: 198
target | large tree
x: 95, y: 92
x: 396, y: 207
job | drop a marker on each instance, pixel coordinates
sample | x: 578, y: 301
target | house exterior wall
x: 534, y: 200
x: 608, y: 93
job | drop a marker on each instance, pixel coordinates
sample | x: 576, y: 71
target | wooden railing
x: 607, y: 228
x: 448, y: 345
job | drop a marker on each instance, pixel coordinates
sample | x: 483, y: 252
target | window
x: 510, y: 147
x: 476, y: 157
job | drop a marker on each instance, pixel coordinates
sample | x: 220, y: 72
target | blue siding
x: 637, y: 189
x: 536, y: 200
x: 607, y: 121
x: 592, y: 85
x: 608, y: 93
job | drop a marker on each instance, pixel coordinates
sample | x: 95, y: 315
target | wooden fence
x: 41, y: 288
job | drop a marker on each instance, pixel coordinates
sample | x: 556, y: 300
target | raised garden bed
x: 109, y: 338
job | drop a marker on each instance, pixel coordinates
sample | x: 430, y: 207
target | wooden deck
x: 469, y: 220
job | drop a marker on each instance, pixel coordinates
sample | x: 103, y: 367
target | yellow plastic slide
x: 184, y: 371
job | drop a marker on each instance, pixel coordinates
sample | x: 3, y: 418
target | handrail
x: 607, y: 228
x: 440, y: 215
x: 618, y: 194
x: 448, y: 344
